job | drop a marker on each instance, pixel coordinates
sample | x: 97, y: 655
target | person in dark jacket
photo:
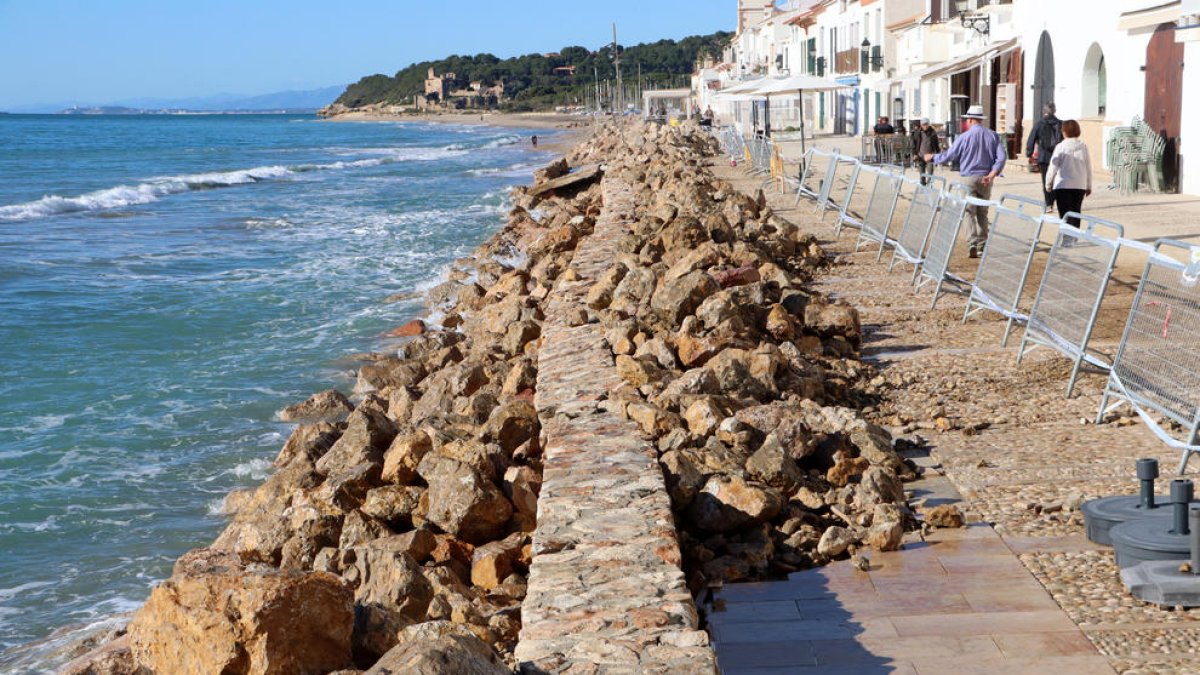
x: 927, y: 143
x: 1044, y: 137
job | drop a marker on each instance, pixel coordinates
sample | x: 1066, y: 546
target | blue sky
x: 98, y: 51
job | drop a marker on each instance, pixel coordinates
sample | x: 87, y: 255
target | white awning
x: 961, y: 64
x: 1148, y: 17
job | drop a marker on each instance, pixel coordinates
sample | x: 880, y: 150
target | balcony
x: 847, y: 62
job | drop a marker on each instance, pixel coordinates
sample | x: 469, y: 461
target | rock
x: 522, y: 485
x: 729, y: 503
x: 878, y: 486
x: 218, y: 615
x: 511, y: 425
x: 738, y: 276
x: 555, y: 169
x: 780, y: 323
x: 439, y: 648
x: 887, y: 528
x: 360, y: 529
x: 309, y: 441
x: 402, y: 457
x: 391, y: 579
x: 834, y: 541
x: 418, y: 544
x: 577, y: 179
x: 411, y: 329
x: 675, y: 299
x: 392, y: 504
x: 325, y: 406
x: 368, y: 433
x: 462, y: 502
x: 875, y: 444
x: 494, y: 561
x: 653, y: 420
x: 945, y: 515
x: 637, y: 372
x: 695, y: 351
x: 845, y: 470
x: 703, y: 416
x: 830, y: 319
x: 683, y: 478
x: 773, y: 465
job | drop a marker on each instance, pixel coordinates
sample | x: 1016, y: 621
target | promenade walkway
x: 1020, y: 590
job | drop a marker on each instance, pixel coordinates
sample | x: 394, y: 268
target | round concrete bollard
x: 1100, y: 515
x: 1157, y: 538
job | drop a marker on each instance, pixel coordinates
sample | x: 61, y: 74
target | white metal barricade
x: 1004, y: 268
x: 936, y: 266
x: 840, y: 189
x: 1157, y: 366
x: 877, y: 221
x: 1072, y: 288
x: 815, y: 179
x: 914, y: 233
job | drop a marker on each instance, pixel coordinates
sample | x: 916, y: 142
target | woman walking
x: 1069, y: 175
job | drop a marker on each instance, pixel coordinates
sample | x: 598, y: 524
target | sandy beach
x: 572, y: 125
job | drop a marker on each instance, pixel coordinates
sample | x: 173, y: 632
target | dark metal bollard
x: 1194, y: 539
x: 1147, y: 473
x: 1181, y: 493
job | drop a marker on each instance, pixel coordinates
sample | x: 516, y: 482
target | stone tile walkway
x: 1021, y: 590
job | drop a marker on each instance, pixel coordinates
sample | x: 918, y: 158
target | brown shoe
x: 972, y: 253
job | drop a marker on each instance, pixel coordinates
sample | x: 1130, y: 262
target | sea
x: 167, y: 284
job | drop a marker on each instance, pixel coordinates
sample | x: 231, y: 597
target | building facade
x: 1104, y: 63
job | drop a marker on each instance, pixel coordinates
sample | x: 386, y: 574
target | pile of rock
x: 736, y: 370
x: 395, y: 534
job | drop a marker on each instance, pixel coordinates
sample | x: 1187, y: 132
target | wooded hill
x: 531, y: 82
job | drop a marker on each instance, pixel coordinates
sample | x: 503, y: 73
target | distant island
x: 529, y: 83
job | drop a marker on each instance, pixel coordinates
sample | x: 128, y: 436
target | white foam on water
x: 8, y: 593
x: 153, y: 189
x: 256, y: 469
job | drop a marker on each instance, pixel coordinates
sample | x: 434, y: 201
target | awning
x: 1148, y: 17
x: 962, y: 63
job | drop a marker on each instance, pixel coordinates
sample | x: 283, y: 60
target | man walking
x: 1044, y: 137
x: 981, y: 157
x: 927, y: 142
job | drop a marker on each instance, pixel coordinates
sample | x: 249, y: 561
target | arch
x: 1043, y: 75
x: 1095, y: 83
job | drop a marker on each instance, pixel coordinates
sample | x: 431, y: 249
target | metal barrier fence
x: 914, y: 233
x: 847, y: 215
x: 839, y: 190
x: 1004, y: 268
x: 1068, y: 299
x: 1157, y: 366
x: 936, y: 266
x: 816, y: 170
x: 895, y: 150
x: 760, y: 155
x: 877, y: 221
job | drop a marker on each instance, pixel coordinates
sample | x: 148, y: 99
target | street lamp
x: 869, y: 59
x: 981, y: 23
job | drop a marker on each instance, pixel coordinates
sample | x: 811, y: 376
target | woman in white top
x: 1070, y: 173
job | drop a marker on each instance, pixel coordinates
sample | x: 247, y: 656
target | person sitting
x: 884, y: 127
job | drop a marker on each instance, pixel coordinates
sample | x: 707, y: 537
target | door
x: 1043, y: 76
x: 1164, y: 90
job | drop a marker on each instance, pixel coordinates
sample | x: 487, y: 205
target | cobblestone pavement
x: 606, y: 591
x: 1021, y: 455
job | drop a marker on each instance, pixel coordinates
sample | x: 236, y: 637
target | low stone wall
x: 606, y: 590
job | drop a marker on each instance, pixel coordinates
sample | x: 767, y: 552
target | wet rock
x: 411, y: 329
x: 887, y: 528
x: 217, y: 615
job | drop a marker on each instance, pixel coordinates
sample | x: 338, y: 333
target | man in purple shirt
x: 981, y: 158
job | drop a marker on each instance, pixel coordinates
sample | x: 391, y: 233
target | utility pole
x: 617, y: 60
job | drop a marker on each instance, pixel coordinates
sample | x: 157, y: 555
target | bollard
x: 1147, y: 473
x: 1181, y: 494
x: 1194, y: 538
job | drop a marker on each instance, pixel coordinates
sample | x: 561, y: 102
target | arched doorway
x: 1095, y: 83
x: 1164, y: 88
x: 1043, y: 75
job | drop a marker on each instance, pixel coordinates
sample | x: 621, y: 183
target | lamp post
x: 870, y: 61
x: 980, y: 23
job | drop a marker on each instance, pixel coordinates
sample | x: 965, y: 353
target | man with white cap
x: 981, y: 157
x: 926, y: 140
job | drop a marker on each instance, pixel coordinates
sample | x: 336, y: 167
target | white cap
x: 975, y: 112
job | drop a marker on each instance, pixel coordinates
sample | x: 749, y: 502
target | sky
x: 101, y: 51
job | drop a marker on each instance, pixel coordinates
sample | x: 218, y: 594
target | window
x: 1095, y: 83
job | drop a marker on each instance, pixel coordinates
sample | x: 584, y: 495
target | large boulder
x: 439, y: 648
x: 389, y: 577
x: 218, y: 615
x: 462, y: 502
x: 677, y: 298
x: 368, y: 433
x: 728, y: 503
x: 325, y: 406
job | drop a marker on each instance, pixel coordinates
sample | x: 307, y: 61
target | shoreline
x: 569, y: 130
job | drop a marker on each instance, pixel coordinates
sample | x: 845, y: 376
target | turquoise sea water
x: 167, y: 284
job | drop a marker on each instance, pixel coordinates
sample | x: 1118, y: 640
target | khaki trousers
x: 979, y: 214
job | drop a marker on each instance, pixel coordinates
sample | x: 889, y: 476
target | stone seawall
x: 606, y: 590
